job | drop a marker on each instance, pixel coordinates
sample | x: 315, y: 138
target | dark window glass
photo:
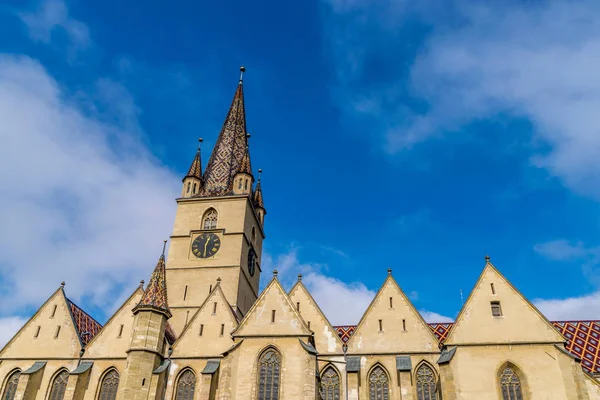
x: 269, y: 367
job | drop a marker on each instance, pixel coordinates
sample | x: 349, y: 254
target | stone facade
x: 201, y: 330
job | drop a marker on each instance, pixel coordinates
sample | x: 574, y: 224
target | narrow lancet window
x: 425, y: 383
x: 11, y: 386
x: 510, y: 385
x: 269, y: 371
x: 186, y: 386
x: 109, y: 386
x: 59, y: 386
x: 210, y: 219
x: 330, y: 384
x: 378, y: 384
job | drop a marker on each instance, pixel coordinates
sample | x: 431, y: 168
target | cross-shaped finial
x: 164, y: 247
x: 487, y: 259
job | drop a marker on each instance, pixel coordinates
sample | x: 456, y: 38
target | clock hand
x: 205, y: 244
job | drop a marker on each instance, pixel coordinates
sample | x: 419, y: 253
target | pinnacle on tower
x: 195, y: 170
x: 257, y: 197
x: 155, y: 295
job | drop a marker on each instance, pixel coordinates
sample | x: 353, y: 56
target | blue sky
x: 417, y: 137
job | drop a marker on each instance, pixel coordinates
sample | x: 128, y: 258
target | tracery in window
x: 330, y: 384
x: 210, y: 219
x: 109, y: 386
x: 378, y: 384
x: 269, y: 370
x: 186, y: 385
x: 510, y: 384
x: 59, y: 385
x: 11, y: 386
x: 425, y: 383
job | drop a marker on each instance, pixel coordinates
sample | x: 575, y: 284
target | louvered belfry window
x: 510, y: 385
x: 109, y: 386
x: 378, y: 385
x: 59, y: 386
x: 269, y: 370
x: 186, y: 386
x: 11, y: 386
x: 330, y: 384
x: 425, y: 383
x: 210, y: 219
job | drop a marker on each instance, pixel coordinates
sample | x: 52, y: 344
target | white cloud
x: 53, y: 15
x: 8, y: 327
x: 432, y: 317
x: 563, y: 250
x: 82, y: 199
x: 573, y: 308
x: 537, y: 60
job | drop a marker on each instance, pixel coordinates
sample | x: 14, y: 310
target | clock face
x: 206, y: 245
x: 251, y: 261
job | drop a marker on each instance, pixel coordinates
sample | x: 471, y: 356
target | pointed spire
x: 257, y: 198
x: 195, y: 170
x: 246, y: 166
x: 229, y: 150
x: 155, y: 295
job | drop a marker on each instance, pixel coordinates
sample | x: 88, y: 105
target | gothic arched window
x: 59, y: 386
x: 210, y: 219
x: 109, y: 386
x: 378, y: 384
x: 425, y: 383
x: 11, y: 386
x: 269, y: 371
x: 253, y: 234
x: 186, y: 384
x: 510, y: 384
x: 330, y: 384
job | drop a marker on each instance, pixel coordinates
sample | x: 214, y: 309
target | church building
x: 201, y: 329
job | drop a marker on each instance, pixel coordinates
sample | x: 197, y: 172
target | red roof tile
x: 87, y: 327
x: 582, y: 339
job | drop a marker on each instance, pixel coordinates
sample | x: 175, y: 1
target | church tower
x: 218, y: 229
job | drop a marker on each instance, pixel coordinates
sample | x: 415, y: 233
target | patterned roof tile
x: 246, y: 166
x: 87, y: 327
x: 229, y: 150
x: 582, y: 339
x: 155, y: 295
x: 195, y: 170
x: 257, y: 197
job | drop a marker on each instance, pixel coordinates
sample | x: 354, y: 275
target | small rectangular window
x: 308, y: 324
x: 210, y: 289
x: 496, y: 309
x: 391, y: 302
x: 273, y: 316
x: 298, y: 306
x: 222, y: 329
x: 214, y: 308
x: 120, y: 331
x: 194, y: 191
x: 188, y: 187
x: 493, y: 289
x: 380, y: 325
x: 404, y: 325
x: 57, y: 332
x: 185, y: 293
x: 37, y: 332
x: 201, y: 329
x: 53, y: 311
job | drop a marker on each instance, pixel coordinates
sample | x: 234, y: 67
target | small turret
x: 243, y: 179
x: 257, y: 200
x: 192, y: 183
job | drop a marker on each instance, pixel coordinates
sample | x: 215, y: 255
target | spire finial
x: 487, y: 258
x: 142, y: 283
x: 259, y: 173
x: 219, y: 280
x: 200, y: 140
x: 242, y: 70
x: 389, y: 271
x: 164, y: 247
x: 62, y: 284
x: 275, y: 273
x: 299, y: 277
